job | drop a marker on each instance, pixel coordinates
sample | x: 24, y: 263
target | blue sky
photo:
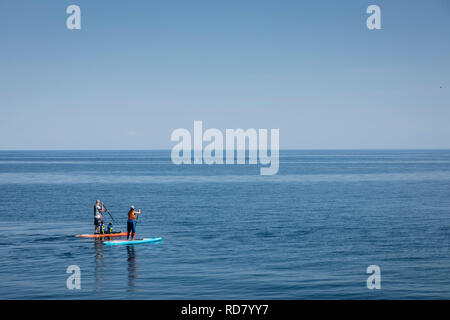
x: 138, y: 70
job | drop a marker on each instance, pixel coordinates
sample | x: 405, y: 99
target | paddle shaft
x: 109, y: 214
x: 137, y: 216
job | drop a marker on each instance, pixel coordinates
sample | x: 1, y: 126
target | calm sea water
x: 309, y: 232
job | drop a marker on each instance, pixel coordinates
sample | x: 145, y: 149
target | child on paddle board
x: 109, y: 230
x: 131, y: 224
x: 102, y: 227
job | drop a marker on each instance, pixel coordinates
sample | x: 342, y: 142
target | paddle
x: 109, y: 214
x: 137, y: 216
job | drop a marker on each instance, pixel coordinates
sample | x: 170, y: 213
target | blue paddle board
x: 135, y: 241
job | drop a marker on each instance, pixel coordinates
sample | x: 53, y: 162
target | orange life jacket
x: 131, y: 215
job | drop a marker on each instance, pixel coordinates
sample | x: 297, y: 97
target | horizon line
x: 281, y: 149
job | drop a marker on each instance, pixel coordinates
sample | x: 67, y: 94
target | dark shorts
x: 97, y: 221
x: 131, y: 226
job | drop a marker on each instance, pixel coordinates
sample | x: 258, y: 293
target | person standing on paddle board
x: 98, y: 209
x: 131, y: 224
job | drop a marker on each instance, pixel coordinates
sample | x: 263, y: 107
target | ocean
x: 309, y: 232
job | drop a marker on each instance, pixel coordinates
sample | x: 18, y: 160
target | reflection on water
x: 99, y: 264
x: 132, y: 274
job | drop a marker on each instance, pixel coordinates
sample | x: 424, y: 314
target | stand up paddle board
x: 135, y: 241
x: 114, y: 234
